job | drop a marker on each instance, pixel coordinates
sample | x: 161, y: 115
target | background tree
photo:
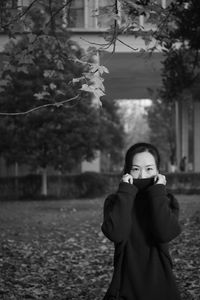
x: 63, y: 133
x: 180, y: 43
x: 54, y: 19
x: 41, y: 21
x: 111, y: 135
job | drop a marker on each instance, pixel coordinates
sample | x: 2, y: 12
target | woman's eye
x: 149, y: 169
x: 134, y: 169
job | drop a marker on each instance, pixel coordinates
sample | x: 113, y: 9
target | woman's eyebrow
x: 151, y: 165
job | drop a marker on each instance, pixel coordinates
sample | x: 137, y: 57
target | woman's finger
x: 127, y: 178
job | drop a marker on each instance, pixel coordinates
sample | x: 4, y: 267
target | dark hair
x: 138, y: 148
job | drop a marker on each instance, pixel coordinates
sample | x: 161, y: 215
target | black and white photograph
x: 99, y: 150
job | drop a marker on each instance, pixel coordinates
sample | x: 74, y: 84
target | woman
x: 141, y: 218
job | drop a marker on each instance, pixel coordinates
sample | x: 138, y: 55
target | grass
x: 55, y: 250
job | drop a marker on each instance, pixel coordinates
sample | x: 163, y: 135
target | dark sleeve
x: 117, y: 213
x: 173, y: 204
x: 164, y: 211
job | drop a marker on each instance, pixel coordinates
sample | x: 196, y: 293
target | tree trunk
x: 44, y: 182
x: 16, y: 180
x: 59, y: 184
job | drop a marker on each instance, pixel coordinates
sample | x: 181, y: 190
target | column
x: 196, y: 136
x: 182, y: 130
x: 86, y: 15
x: 185, y: 129
x: 178, y: 132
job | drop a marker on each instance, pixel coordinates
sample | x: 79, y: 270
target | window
x: 105, y: 11
x: 89, y: 14
x: 91, y: 11
x: 75, y: 15
x: 23, y: 3
x: 97, y: 14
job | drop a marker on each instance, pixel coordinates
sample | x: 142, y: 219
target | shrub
x: 85, y: 185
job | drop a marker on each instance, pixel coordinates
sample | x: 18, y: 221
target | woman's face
x: 143, y: 166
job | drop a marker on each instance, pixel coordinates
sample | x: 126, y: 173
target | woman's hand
x: 160, y: 179
x: 127, y: 178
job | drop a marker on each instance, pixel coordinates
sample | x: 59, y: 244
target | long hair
x: 138, y: 148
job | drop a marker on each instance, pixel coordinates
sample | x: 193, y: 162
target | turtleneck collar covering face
x: 144, y: 183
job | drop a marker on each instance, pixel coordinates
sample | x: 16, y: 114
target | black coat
x: 141, y: 224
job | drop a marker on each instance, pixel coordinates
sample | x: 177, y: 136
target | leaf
x: 99, y: 93
x: 60, y: 65
x: 26, y: 59
x: 4, y: 82
x: 103, y: 69
x: 104, y: 248
x: 87, y: 88
x: 41, y: 96
x: 32, y: 37
x: 96, y: 102
x: 52, y: 86
x: 49, y: 73
x: 76, y: 80
x: 23, y: 69
x: 59, y: 92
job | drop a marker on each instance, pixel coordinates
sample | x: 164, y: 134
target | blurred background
x: 151, y: 90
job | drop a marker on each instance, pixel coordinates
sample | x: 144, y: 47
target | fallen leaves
x: 187, y: 258
x: 56, y: 251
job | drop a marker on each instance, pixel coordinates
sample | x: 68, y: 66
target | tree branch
x: 56, y: 104
x: 127, y: 45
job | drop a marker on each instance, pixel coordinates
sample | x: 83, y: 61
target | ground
x: 55, y: 250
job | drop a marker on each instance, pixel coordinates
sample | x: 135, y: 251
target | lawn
x: 55, y: 250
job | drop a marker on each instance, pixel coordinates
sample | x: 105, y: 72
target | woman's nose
x: 142, y: 174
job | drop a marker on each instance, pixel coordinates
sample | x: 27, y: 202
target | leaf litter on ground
x: 55, y: 250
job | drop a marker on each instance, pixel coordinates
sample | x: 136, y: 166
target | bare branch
x: 115, y: 33
x: 127, y: 45
x: 27, y: 9
x: 56, y: 104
